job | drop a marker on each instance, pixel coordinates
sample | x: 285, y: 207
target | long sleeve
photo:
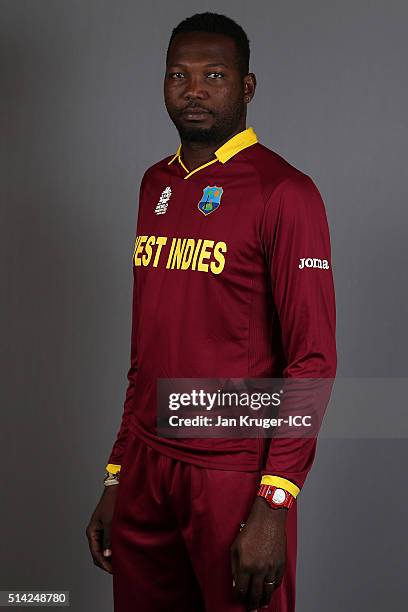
x: 118, y: 449
x: 296, y: 241
x: 115, y: 457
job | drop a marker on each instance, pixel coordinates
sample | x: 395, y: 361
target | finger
x: 106, y: 539
x: 242, y: 580
x: 256, y: 591
x: 268, y: 589
x: 103, y: 565
x: 95, y: 536
x: 233, y: 566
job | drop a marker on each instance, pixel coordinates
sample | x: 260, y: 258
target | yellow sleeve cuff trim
x: 112, y: 468
x: 282, y: 483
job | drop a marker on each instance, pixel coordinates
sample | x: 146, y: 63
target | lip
x: 194, y: 113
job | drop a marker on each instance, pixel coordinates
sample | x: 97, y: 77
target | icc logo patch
x: 211, y: 199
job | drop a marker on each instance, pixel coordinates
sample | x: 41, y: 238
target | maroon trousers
x: 171, y: 534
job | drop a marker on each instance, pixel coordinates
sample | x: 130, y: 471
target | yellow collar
x: 230, y: 148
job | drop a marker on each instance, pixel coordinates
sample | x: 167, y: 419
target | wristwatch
x: 275, y: 496
x: 111, y: 479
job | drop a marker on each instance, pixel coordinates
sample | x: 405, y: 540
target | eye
x: 219, y: 74
x: 175, y: 75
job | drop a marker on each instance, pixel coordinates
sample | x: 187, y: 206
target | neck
x: 195, y: 154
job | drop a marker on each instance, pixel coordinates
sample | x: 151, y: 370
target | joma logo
x: 313, y: 263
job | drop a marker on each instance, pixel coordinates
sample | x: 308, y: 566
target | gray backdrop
x: 82, y: 116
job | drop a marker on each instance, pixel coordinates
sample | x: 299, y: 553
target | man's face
x: 203, y: 87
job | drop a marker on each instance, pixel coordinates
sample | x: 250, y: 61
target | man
x: 225, y: 227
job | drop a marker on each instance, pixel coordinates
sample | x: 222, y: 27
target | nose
x: 195, y: 88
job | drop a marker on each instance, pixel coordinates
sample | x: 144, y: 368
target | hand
x: 98, y: 530
x: 258, y: 554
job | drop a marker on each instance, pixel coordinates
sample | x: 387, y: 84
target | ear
x: 249, y: 86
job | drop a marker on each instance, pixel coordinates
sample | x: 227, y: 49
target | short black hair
x: 221, y: 24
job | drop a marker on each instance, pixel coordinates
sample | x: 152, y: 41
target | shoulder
x: 155, y: 169
x: 286, y: 189
x: 290, y: 196
x: 277, y: 176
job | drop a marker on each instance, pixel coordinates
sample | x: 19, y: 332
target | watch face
x: 279, y: 496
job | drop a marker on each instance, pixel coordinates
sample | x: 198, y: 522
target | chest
x: 200, y: 226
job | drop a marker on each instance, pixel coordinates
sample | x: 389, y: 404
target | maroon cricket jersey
x: 232, y: 278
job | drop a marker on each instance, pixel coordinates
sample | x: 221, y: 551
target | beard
x: 221, y: 129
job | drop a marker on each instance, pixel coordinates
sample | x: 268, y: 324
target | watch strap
x: 276, y: 496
